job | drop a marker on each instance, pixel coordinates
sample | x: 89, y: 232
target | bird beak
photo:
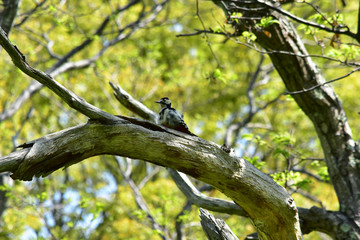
x: 158, y: 101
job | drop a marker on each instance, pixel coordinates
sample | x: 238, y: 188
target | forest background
x: 225, y: 85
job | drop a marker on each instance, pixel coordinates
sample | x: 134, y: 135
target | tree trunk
x: 321, y: 105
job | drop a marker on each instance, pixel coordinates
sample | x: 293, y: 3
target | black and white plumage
x: 171, y: 118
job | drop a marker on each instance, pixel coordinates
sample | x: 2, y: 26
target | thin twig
x: 322, y: 84
x: 64, y: 64
x: 337, y: 29
x: 206, y: 36
x: 69, y: 97
x: 253, y: 47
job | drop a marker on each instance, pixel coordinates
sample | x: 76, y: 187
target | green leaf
x: 249, y: 35
x: 324, y: 174
x: 70, y: 224
x: 266, y: 22
x: 248, y: 136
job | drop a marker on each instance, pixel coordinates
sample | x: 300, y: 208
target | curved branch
x: 329, y: 222
x: 324, y: 83
x: 132, y: 104
x: 181, y: 180
x: 265, y: 202
x: 201, y: 200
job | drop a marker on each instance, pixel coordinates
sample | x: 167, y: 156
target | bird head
x: 164, y: 102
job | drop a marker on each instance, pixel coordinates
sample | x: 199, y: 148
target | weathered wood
x: 201, y: 200
x: 270, y: 207
x: 215, y: 228
x: 266, y: 203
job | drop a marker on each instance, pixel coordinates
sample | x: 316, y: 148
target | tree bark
x: 321, y: 105
x: 268, y: 205
x: 215, y: 228
x: 271, y: 209
x: 8, y: 15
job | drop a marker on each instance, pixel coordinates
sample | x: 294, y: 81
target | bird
x: 171, y: 118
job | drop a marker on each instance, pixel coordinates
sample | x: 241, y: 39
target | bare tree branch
x: 63, y: 64
x: 29, y: 13
x: 133, y: 105
x: 200, y: 200
x: 140, y: 201
x: 233, y: 129
x: 306, y: 195
x: 253, y: 190
x: 70, y: 98
x: 323, y: 84
x: 179, y: 221
x: 148, y: 177
x: 271, y: 51
x: 206, y: 36
x: 215, y: 228
x: 24, y: 96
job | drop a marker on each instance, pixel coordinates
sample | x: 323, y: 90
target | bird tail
x: 185, y: 129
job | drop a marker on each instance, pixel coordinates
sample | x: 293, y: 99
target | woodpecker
x: 171, y: 118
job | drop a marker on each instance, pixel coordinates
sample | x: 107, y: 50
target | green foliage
x: 249, y: 36
x: 255, y: 161
x: 90, y: 199
x: 307, y: 29
x: 324, y: 174
x: 236, y: 16
x: 291, y: 179
x: 319, y: 18
x: 266, y: 22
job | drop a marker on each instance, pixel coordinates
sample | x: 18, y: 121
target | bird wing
x: 175, y: 121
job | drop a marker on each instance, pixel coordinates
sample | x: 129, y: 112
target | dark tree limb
x: 234, y: 128
x: 30, y: 12
x: 322, y: 105
x: 179, y: 221
x: 8, y: 14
